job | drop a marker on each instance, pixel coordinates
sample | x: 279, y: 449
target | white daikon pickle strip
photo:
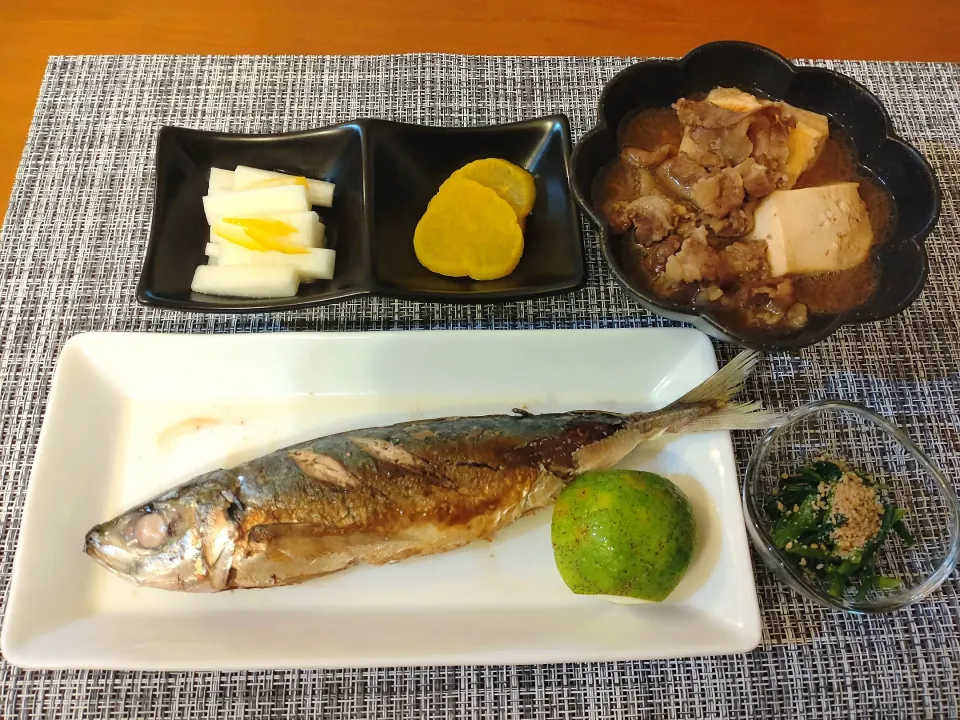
x: 310, y: 231
x: 220, y: 180
x: 212, y: 249
x: 246, y: 281
x: 317, y: 265
x: 254, y: 203
x: 320, y: 235
x: 319, y: 192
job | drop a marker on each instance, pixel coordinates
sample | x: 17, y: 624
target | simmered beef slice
x: 695, y: 262
x: 617, y: 213
x: 757, y: 181
x: 640, y: 180
x: 770, y: 303
x: 770, y: 135
x: 745, y: 258
x: 738, y: 222
x: 720, y: 147
x: 657, y: 255
x: 701, y: 113
x: 713, y: 136
x: 639, y: 158
x: 719, y: 194
x: 679, y: 174
x: 652, y: 218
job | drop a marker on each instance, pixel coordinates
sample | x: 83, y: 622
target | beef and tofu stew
x: 747, y: 206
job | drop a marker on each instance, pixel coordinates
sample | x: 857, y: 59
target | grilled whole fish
x: 384, y: 494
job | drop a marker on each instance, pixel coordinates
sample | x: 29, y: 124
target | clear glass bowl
x: 870, y: 444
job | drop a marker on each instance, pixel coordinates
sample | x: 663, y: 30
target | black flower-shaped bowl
x: 899, y: 167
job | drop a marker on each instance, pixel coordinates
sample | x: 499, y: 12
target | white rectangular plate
x: 130, y: 415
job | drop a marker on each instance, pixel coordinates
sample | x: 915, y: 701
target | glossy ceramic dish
x: 132, y: 414
x: 385, y: 174
x: 880, y: 153
x: 871, y: 444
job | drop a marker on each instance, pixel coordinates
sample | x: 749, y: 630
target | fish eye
x: 151, y: 531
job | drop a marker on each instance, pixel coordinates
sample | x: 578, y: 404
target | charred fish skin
x: 432, y: 453
x: 379, y: 495
x: 382, y: 494
x: 374, y: 495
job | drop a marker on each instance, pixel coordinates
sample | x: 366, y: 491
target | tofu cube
x: 814, y: 230
x: 806, y: 142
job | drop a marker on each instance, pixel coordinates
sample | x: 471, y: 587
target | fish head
x: 181, y: 540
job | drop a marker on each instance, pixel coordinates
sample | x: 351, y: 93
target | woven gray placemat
x: 71, y: 248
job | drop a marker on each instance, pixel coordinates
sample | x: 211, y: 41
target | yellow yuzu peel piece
x: 235, y: 235
x: 279, y: 182
x: 265, y: 234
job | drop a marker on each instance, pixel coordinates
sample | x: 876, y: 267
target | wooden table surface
x: 31, y: 30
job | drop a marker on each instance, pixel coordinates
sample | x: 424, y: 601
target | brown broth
x: 826, y: 293
x: 612, y: 183
x: 837, y: 292
x: 647, y: 129
x: 650, y: 128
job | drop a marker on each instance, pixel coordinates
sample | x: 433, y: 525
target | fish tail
x: 708, y: 406
x: 719, y: 389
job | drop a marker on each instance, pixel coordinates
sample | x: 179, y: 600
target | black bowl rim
x: 575, y: 282
x: 706, y: 322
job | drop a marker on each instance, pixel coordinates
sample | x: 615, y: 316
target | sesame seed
x: 780, y: 506
x: 814, y: 546
x: 819, y: 566
x: 803, y: 561
x: 856, y: 512
x: 789, y: 545
x: 796, y: 508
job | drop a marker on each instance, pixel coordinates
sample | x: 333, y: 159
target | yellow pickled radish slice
x: 278, y: 182
x: 267, y: 234
x: 468, y: 230
x: 511, y: 182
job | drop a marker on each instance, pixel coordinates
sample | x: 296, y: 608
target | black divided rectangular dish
x: 385, y: 174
